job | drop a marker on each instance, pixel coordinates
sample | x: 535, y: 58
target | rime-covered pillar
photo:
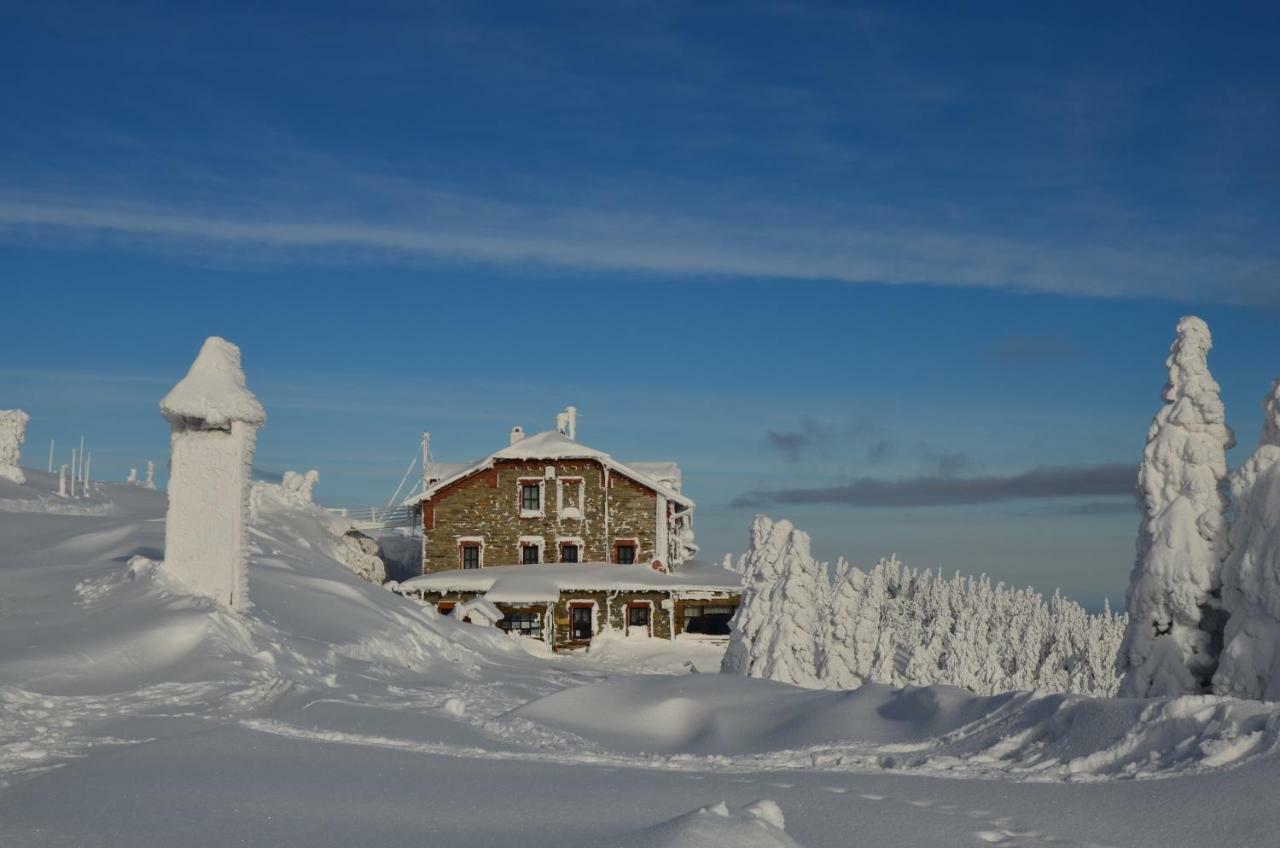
x: 13, y: 432
x: 151, y: 475
x: 215, y: 421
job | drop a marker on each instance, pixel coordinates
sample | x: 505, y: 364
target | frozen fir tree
x: 776, y: 629
x: 1250, y: 662
x: 1174, y: 616
x: 905, y: 627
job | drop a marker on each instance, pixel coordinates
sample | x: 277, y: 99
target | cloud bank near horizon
x: 1108, y: 480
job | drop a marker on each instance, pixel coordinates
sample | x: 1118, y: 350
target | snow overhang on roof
x: 550, y: 445
x: 544, y: 583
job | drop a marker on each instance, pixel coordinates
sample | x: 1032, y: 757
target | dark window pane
x: 529, y: 554
x: 471, y: 556
x: 530, y: 496
x: 638, y: 616
x: 569, y: 553
x: 626, y: 554
x: 580, y: 623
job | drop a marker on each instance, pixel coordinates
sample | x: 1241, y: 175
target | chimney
x: 426, y: 457
x: 517, y: 433
x: 567, y: 422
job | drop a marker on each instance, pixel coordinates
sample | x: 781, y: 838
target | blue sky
x: 795, y: 247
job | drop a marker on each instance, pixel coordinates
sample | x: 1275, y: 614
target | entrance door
x: 638, y: 618
x: 580, y: 623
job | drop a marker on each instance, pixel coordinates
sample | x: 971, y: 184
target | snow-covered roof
x: 664, y: 472
x: 481, y: 607
x: 214, y: 389
x: 544, y: 583
x: 662, y: 477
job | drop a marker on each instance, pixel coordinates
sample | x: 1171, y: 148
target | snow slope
x: 334, y: 712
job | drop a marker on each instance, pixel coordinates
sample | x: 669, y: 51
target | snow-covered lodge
x: 566, y: 542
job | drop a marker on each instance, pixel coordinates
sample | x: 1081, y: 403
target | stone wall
x: 486, y: 505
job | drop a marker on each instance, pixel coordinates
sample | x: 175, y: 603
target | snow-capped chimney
x: 426, y: 457
x: 567, y: 422
x: 214, y: 420
x: 517, y: 433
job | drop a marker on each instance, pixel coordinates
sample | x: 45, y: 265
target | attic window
x: 625, y: 553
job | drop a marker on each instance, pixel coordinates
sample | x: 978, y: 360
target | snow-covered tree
x: 13, y: 432
x: 1249, y: 665
x: 896, y: 625
x: 1174, y: 617
x: 775, y: 631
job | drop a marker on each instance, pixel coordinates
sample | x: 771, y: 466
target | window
x: 529, y: 554
x: 638, y: 616
x: 470, y: 556
x: 625, y: 553
x: 530, y: 497
x: 580, y: 628
x: 707, y: 620
x: 569, y: 552
x: 525, y: 623
x: 569, y: 497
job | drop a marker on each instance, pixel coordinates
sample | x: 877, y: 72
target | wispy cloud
x: 785, y: 243
x: 1039, y: 483
x: 815, y: 436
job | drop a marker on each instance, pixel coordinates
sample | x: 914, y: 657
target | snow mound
x: 214, y: 390
x: 752, y: 724
x: 758, y: 825
x: 93, y: 633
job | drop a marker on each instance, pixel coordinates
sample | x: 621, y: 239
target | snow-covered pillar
x: 151, y: 475
x: 79, y: 471
x: 62, y: 480
x: 133, y: 476
x: 13, y: 432
x: 215, y: 420
x: 87, y: 461
x: 74, y: 473
x: 51, y: 456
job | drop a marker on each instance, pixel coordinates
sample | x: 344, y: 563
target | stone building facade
x: 566, y: 541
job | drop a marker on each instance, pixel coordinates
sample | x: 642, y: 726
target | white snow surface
x: 214, y: 390
x: 1173, y: 624
x: 334, y: 712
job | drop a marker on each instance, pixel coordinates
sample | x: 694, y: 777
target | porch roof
x: 545, y: 582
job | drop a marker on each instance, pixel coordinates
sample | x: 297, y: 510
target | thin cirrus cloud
x: 780, y: 245
x: 1114, y: 479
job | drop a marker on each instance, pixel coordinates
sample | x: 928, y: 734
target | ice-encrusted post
x: 13, y: 432
x: 62, y: 480
x: 51, y: 456
x: 151, y: 475
x: 215, y: 420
